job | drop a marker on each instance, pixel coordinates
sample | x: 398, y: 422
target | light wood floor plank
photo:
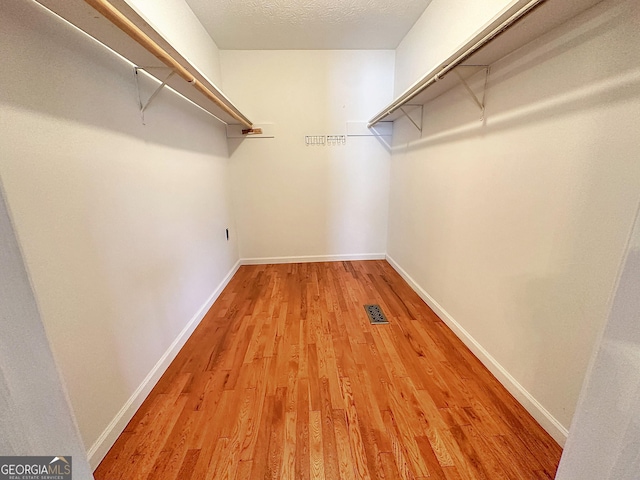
x: 286, y: 378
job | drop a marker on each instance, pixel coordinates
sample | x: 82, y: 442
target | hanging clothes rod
x: 455, y: 61
x: 116, y: 17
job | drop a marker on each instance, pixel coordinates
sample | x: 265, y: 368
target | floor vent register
x: 376, y: 315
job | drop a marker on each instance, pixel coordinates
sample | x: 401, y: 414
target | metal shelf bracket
x: 144, y: 106
x: 417, y: 124
x: 479, y: 102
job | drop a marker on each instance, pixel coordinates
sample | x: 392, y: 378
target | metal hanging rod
x: 116, y: 17
x: 454, y: 62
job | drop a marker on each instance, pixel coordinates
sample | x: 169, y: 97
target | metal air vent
x: 376, y: 315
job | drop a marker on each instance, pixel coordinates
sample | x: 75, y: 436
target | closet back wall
x: 122, y: 224
x: 294, y: 202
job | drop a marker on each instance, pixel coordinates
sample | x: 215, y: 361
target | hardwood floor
x: 285, y: 378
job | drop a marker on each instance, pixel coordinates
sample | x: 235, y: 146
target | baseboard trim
x: 313, y: 258
x: 528, y: 401
x: 110, y: 434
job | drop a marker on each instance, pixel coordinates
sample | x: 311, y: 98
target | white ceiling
x: 307, y: 24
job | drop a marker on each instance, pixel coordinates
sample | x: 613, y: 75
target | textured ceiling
x: 307, y: 24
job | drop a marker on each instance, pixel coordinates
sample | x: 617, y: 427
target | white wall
x: 294, y: 200
x: 438, y: 33
x: 605, y: 433
x: 516, y: 228
x: 121, y: 224
x: 179, y: 26
x: 35, y: 416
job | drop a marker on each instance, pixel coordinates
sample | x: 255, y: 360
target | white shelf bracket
x: 417, y: 124
x: 479, y: 102
x: 144, y: 106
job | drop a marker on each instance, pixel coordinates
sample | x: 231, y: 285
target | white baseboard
x: 541, y: 414
x: 108, y: 437
x: 313, y: 258
x: 110, y: 434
